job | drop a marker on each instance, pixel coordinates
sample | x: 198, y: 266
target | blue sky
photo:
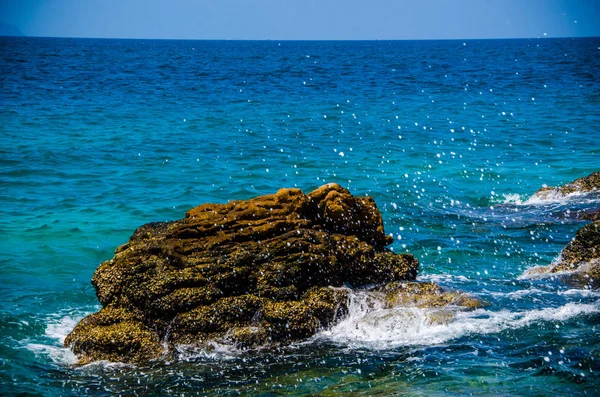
x: 304, y: 19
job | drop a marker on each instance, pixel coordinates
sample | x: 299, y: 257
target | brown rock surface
x: 426, y: 295
x: 253, y: 272
x: 589, y: 215
x: 264, y: 271
x: 579, y: 261
x: 587, y: 184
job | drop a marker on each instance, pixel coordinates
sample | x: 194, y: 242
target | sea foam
x: 551, y: 197
x: 51, y: 346
x: 371, y: 326
x: 59, y: 329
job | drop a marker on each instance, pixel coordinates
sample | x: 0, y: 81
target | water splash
x: 550, y: 197
x: 51, y: 344
x: 371, y: 326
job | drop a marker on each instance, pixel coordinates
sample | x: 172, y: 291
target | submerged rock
x: 579, y: 262
x: 248, y: 273
x: 587, y: 184
x: 589, y: 215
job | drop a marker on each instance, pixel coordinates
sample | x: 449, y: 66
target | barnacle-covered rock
x: 579, y: 262
x: 426, y: 295
x: 587, y: 184
x: 589, y: 215
x: 112, y: 334
x: 265, y: 271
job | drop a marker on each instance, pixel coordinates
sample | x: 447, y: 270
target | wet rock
x: 589, y: 215
x: 426, y: 295
x: 442, y: 304
x: 111, y: 334
x: 259, y: 272
x: 587, y: 184
x: 579, y: 262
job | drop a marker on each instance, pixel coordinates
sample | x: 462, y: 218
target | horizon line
x: 270, y: 39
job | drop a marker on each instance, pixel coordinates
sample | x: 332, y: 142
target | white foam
x: 585, y: 293
x: 60, y: 328
x: 549, y: 197
x: 519, y: 294
x: 512, y: 198
x: 56, y: 332
x: 104, y: 365
x: 213, y: 352
x: 540, y: 272
x: 57, y: 354
x: 443, y: 278
x: 370, y: 326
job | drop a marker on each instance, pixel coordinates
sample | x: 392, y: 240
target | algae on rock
x: 586, y: 184
x: 259, y: 272
x: 426, y: 295
x: 579, y: 262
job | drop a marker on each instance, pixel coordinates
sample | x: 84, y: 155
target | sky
x: 303, y: 19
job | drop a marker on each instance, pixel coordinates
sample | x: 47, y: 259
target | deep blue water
x: 451, y: 138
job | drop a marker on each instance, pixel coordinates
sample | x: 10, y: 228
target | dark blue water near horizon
x: 451, y: 138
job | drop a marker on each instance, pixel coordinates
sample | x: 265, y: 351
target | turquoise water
x: 451, y: 138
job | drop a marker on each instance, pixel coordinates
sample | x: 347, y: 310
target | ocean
x: 451, y: 138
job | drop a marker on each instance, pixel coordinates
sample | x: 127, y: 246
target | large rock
x: 587, y: 184
x: 579, y: 262
x: 248, y: 273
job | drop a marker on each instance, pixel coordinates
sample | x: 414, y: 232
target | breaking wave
x: 51, y: 345
x: 550, y: 197
x: 371, y: 326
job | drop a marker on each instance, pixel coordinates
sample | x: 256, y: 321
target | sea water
x: 451, y: 138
